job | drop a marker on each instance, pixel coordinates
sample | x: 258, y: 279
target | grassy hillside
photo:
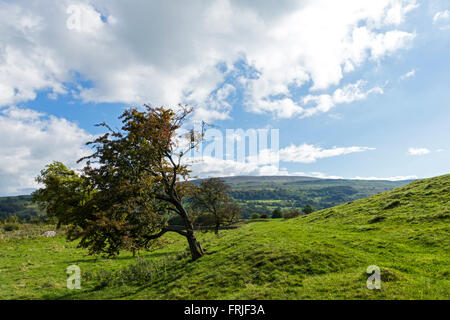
x: 320, y: 256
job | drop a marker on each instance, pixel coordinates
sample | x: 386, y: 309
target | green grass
x: 320, y: 256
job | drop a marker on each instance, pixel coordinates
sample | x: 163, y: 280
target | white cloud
x: 409, y: 74
x: 29, y: 141
x: 442, y: 19
x: 213, y: 167
x: 165, y: 52
x: 307, y: 153
x: 418, y: 151
x: 322, y: 175
x: 266, y: 162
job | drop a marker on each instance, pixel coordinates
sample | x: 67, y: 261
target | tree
x: 276, y: 213
x: 129, y: 185
x: 65, y: 194
x: 212, y: 196
x: 254, y: 216
x: 292, y: 213
x: 308, y: 209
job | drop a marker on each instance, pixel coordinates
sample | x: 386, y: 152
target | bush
x: 292, y: 213
x: 308, y: 209
x: 13, y: 219
x: 264, y: 216
x: 11, y: 227
x: 254, y: 216
x: 277, y: 213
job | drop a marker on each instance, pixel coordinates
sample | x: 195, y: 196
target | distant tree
x: 276, y: 213
x: 292, y: 213
x: 128, y: 186
x: 308, y: 209
x: 254, y: 216
x: 264, y: 216
x: 212, y: 196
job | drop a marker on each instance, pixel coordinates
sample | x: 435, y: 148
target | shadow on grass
x: 173, y: 271
x: 131, y: 258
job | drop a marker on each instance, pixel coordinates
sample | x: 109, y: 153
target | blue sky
x: 358, y: 90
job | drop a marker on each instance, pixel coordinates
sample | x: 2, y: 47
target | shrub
x: 264, y: 216
x: 254, y: 216
x: 308, y: 209
x: 13, y: 219
x: 276, y: 213
x: 292, y: 213
x: 11, y: 227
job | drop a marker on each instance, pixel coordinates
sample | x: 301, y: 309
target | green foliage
x: 264, y: 194
x: 20, y: 206
x: 264, y: 216
x: 254, y: 216
x: 65, y: 194
x: 123, y: 200
x: 276, y: 213
x: 307, y: 209
x: 211, y: 200
x: 292, y: 213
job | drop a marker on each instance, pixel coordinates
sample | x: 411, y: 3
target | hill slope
x: 320, y: 256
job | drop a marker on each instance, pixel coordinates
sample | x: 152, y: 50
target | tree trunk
x: 194, y: 245
x: 216, y: 230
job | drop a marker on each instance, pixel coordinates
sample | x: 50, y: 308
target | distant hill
x: 265, y: 193
x: 20, y: 206
x: 259, y: 194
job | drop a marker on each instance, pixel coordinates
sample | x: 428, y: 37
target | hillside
x: 260, y: 194
x: 20, y: 206
x: 320, y: 256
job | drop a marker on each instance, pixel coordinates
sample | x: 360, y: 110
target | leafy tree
x: 276, y: 213
x: 254, y: 216
x: 292, y: 213
x: 128, y: 186
x: 308, y: 209
x: 65, y: 194
x: 212, y: 196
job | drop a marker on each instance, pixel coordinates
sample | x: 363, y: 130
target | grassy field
x: 320, y: 256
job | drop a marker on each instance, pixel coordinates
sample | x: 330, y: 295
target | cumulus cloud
x: 307, y: 153
x: 442, y: 19
x: 29, y: 141
x: 418, y: 151
x: 213, y: 167
x: 266, y: 162
x: 166, y: 52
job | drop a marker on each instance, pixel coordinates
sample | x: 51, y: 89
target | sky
x: 357, y: 89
